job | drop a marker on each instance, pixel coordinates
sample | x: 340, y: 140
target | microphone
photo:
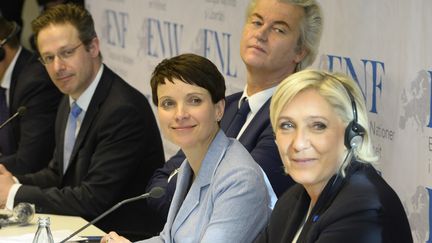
x: 22, y: 214
x: 21, y: 110
x: 155, y: 192
x: 347, y: 159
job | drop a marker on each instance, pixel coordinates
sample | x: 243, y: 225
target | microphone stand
x: 155, y: 193
x: 20, y: 111
x: 105, y: 214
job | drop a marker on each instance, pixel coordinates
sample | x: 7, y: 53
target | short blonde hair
x: 334, y: 89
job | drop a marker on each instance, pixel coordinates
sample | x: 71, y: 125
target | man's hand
x: 6, y: 182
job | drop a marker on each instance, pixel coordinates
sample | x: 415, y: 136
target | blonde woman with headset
x: 321, y: 127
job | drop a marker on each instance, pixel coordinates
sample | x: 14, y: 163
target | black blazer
x: 116, y: 151
x: 32, y: 135
x: 362, y: 208
x: 257, y: 138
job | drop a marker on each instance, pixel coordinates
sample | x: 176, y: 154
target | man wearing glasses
x: 107, y: 140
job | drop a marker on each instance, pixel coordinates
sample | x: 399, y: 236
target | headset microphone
x: 354, y: 132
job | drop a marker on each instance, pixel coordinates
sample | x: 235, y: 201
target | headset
x: 354, y: 132
x: 353, y: 138
x: 16, y: 29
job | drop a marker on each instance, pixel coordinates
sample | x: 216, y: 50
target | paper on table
x: 58, y: 236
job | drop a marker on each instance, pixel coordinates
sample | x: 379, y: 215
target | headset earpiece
x: 354, y: 132
x: 16, y: 29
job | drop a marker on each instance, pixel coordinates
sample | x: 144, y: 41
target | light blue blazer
x: 227, y: 202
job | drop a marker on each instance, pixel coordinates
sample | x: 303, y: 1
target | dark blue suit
x: 257, y: 138
x: 117, y: 149
x: 31, y: 136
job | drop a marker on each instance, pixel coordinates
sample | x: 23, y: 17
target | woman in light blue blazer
x: 221, y: 194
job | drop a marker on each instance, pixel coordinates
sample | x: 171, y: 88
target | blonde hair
x: 334, y: 89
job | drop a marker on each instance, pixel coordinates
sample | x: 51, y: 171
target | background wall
x: 383, y: 45
x: 30, y: 11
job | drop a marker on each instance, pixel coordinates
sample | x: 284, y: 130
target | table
x: 61, y: 226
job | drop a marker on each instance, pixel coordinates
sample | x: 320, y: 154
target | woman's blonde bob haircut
x: 333, y: 88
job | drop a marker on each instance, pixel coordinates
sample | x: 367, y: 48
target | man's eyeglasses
x: 63, y: 55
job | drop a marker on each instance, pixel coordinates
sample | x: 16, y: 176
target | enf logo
x: 115, y: 28
x: 369, y: 75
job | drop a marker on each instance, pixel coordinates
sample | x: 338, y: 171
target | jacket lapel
x: 63, y: 110
x: 97, y: 100
x: 258, y: 123
x: 324, y: 201
x: 21, y: 62
x: 230, y: 110
x: 296, y: 216
x: 183, y: 208
x: 184, y: 201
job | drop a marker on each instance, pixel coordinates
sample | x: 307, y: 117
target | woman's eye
x: 166, y: 103
x: 285, y: 125
x: 195, y: 101
x: 319, y: 126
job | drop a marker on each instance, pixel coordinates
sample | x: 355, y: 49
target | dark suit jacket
x: 117, y: 149
x: 362, y: 208
x: 258, y: 139
x: 31, y: 135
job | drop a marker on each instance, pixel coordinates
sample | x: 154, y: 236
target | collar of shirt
x: 84, y: 100
x: 256, y: 101
x: 7, y: 76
